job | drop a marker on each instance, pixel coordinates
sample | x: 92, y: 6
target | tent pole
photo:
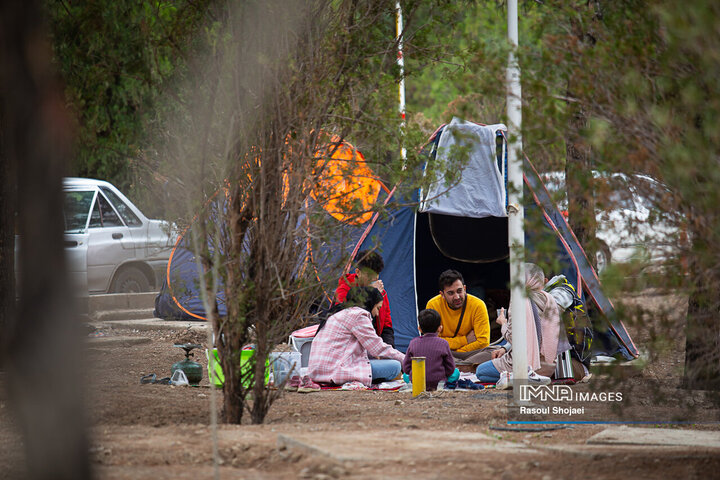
x: 401, y: 86
x: 516, y: 215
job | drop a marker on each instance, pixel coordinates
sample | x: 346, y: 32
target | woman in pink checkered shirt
x: 342, y: 348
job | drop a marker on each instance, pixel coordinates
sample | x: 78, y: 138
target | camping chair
x: 301, y: 341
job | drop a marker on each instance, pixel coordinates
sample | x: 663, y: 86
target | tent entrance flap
x: 471, y: 240
x: 486, y: 280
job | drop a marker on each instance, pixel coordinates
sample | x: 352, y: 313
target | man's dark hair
x: 448, y: 277
x: 370, y: 259
x: 429, y: 320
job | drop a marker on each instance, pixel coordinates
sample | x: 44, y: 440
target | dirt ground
x: 163, y: 431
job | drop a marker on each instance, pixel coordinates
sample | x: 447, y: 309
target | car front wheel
x: 130, y: 280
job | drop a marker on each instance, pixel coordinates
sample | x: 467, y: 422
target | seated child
x: 439, y: 362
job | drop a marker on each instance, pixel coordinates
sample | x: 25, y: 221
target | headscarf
x: 534, y: 282
x: 545, y: 315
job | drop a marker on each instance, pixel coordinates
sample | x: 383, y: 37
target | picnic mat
x: 385, y: 386
x: 393, y: 386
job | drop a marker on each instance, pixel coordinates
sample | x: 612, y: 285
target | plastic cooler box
x: 283, y: 364
x: 215, y: 372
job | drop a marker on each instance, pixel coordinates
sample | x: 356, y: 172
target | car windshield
x: 76, y: 209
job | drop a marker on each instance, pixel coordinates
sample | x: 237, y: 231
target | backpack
x: 577, y: 322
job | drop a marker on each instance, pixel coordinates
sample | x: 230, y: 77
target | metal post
x: 516, y: 215
x: 401, y: 86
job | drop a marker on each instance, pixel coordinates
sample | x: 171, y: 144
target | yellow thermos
x: 418, y: 375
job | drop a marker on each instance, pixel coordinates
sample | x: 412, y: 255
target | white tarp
x: 481, y: 190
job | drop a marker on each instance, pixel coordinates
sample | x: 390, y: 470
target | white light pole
x: 401, y: 87
x: 516, y: 214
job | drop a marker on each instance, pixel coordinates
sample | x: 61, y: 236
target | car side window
x: 103, y: 214
x: 76, y: 207
x: 125, y: 212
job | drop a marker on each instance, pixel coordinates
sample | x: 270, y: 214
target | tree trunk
x: 260, y: 405
x: 702, y: 343
x: 232, y: 399
x: 578, y: 178
x: 234, y: 334
x: 578, y: 164
x: 7, y: 235
x: 42, y: 341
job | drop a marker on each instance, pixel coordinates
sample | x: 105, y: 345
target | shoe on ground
x: 537, y: 379
x: 586, y: 378
x: 308, y: 386
x: 506, y: 379
x: 292, y: 383
x: 505, y: 382
x: 468, y: 384
x: 602, y: 359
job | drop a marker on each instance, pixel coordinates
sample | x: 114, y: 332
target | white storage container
x: 283, y: 364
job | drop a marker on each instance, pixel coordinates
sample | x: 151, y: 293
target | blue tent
x: 464, y: 227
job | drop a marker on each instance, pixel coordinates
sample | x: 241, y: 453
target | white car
x: 111, y: 246
x: 631, y: 224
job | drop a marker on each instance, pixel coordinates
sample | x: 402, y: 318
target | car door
x: 76, y: 213
x: 137, y: 222
x: 110, y: 244
x: 153, y: 242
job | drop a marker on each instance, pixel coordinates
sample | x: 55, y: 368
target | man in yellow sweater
x: 465, y: 323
